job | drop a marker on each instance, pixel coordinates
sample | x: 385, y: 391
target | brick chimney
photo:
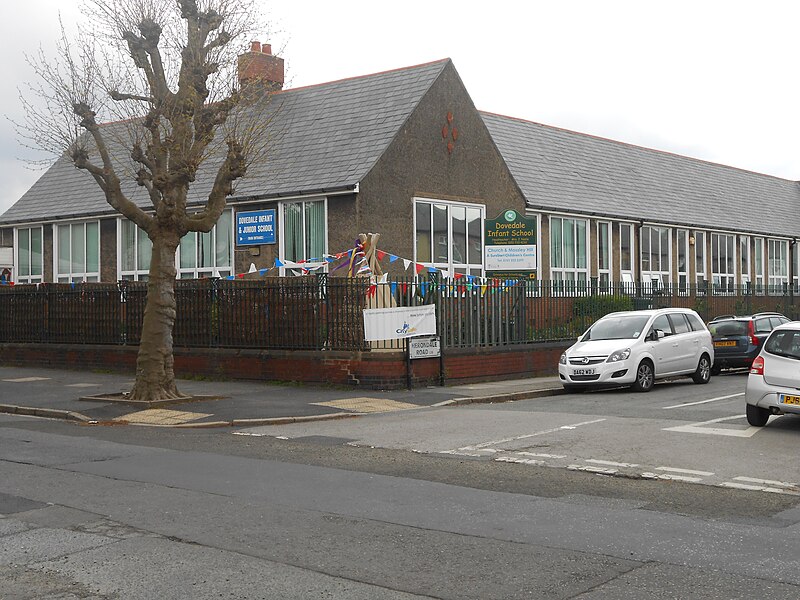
x: 259, y: 70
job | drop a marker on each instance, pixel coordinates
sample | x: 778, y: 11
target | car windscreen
x: 617, y: 328
x: 727, y: 328
x: 784, y: 343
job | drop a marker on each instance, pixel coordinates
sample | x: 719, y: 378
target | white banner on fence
x: 399, y: 323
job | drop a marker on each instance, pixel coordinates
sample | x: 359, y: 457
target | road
x: 495, y: 501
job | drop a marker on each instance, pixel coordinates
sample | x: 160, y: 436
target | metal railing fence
x: 319, y: 312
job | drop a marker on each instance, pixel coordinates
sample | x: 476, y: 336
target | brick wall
x: 372, y: 370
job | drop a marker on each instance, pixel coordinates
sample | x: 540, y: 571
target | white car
x: 773, y: 386
x: 637, y: 347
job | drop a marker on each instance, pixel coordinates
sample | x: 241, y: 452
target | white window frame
x: 451, y: 265
x: 700, y: 260
x: 777, y: 266
x: 30, y: 277
x: 723, y: 262
x: 744, y: 261
x: 75, y: 276
x: 196, y: 272
x: 627, y: 276
x: 662, y: 276
x: 682, y: 273
x: 282, y: 229
x: 140, y: 273
x: 604, y: 276
x: 758, y: 264
x: 570, y: 275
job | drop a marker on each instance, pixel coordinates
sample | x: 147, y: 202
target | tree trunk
x: 155, y: 377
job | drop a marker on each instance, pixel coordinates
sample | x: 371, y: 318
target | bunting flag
x: 380, y: 254
x: 418, y: 267
x: 406, y: 262
x: 393, y: 258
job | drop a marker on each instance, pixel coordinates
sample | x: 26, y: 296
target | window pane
x: 458, y: 218
x: 189, y: 251
x: 78, y: 248
x: 314, y: 229
x: 475, y: 233
x: 92, y: 247
x: 127, y: 245
x: 24, y: 251
x: 423, y: 232
x: 569, y: 243
x: 580, y: 252
x: 556, y: 257
x: 645, y: 234
x: 441, y: 244
x: 36, y: 251
x: 602, y: 241
x: 292, y: 231
x: 205, y: 255
x: 625, y: 247
x: 664, y: 250
x: 63, y: 248
x: 222, y: 242
x: 144, y: 250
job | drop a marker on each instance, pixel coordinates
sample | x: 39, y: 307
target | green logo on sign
x: 510, y: 215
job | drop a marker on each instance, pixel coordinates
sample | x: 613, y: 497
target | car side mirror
x: 655, y: 335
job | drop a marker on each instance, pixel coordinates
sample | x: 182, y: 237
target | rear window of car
x: 727, y: 328
x: 764, y: 325
x: 679, y: 323
x: 696, y: 323
x: 785, y: 342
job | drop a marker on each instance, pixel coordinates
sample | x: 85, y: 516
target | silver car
x: 773, y: 386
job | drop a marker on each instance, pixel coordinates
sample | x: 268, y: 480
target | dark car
x: 738, y: 339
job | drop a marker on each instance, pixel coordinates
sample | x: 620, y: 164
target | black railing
x: 326, y: 313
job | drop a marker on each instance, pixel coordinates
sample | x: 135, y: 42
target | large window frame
x: 777, y: 265
x: 758, y: 264
x: 449, y: 236
x: 744, y: 261
x: 29, y: 254
x: 569, y: 250
x: 700, y: 261
x: 682, y: 248
x: 655, y: 258
x: 134, y: 251
x: 303, y: 228
x: 723, y: 262
x: 626, y: 254
x: 203, y: 255
x: 604, y: 255
x: 76, y: 251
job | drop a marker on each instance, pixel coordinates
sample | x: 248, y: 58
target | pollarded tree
x: 162, y: 75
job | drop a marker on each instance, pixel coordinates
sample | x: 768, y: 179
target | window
x: 662, y: 322
x: 697, y: 324
x: 305, y: 231
x: 78, y: 252
x: 744, y: 261
x: 135, y: 250
x: 655, y: 256
x: 449, y: 236
x: 207, y: 254
x: 625, y: 255
x: 758, y: 264
x: 700, y: 260
x: 679, y: 323
x: 795, y: 267
x: 723, y: 262
x: 777, y: 265
x: 604, y: 255
x: 29, y: 255
x: 568, y: 260
x: 683, y: 261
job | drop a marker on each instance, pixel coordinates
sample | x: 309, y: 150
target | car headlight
x: 563, y: 359
x: 619, y: 355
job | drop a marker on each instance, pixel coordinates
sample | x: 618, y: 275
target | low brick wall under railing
x: 372, y: 370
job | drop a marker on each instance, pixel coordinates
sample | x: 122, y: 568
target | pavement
x: 61, y: 394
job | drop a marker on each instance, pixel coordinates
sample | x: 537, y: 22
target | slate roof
x: 322, y: 138
x: 564, y: 171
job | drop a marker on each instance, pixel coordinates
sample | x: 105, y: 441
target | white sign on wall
x: 424, y: 347
x: 399, y: 323
x: 510, y: 258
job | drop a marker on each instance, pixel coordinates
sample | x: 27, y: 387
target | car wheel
x: 645, y: 377
x: 703, y: 372
x: 757, y: 416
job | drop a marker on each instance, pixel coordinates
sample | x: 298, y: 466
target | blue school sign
x: 255, y: 227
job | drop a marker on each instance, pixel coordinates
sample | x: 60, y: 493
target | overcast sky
x: 715, y: 80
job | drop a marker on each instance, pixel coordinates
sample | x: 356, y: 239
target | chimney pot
x: 266, y: 48
x: 255, y: 46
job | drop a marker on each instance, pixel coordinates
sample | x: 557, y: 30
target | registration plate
x: 583, y: 371
x: 724, y: 344
x: 787, y: 399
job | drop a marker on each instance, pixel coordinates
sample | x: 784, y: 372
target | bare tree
x: 162, y: 75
